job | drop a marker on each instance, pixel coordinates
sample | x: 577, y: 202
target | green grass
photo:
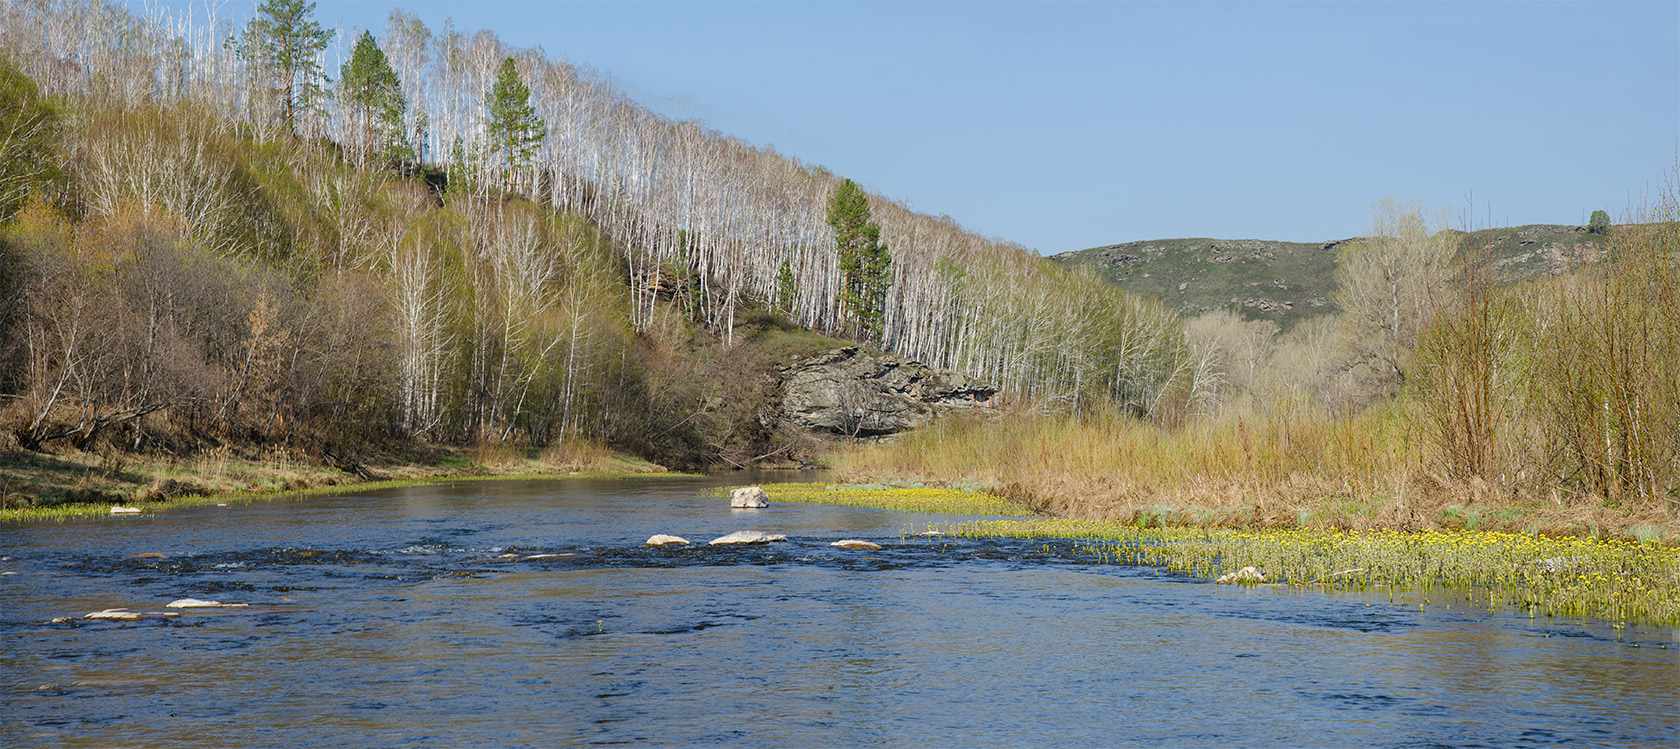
x: 1623, y: 582
x: 898, y: 498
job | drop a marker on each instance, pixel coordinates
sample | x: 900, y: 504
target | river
x: 391, y: 618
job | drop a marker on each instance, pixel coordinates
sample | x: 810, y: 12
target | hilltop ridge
x: 1287, y: 282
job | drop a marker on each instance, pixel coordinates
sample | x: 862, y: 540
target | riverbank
x: 67, y: 484
x: 1545, y: 576
x: 1367, y: 472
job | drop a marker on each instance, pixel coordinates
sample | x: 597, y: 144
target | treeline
x: 717, y: 223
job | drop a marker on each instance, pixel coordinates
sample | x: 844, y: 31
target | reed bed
x: 956, y: 501
x: 1620, y: 581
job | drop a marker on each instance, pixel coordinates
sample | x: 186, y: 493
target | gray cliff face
x: 851, y: 393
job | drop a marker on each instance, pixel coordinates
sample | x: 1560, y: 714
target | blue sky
x: 1062, y: 126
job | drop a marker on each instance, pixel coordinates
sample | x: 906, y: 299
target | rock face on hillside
x: 857, y: 394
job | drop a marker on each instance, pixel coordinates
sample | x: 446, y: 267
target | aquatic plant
x: 1622, y: 581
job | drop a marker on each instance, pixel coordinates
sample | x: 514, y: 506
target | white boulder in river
x: 749, y: 497
x: 856, y: 544
x: 746, y: 537
x: 660, y: 539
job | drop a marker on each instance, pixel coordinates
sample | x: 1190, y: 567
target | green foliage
x: 515, y: 129
x: 785, y: 289
x: 372, y: 92
x: 28, y: 140
x: 285, y: 39
x: 1599, y: 223
x: 865, y: 261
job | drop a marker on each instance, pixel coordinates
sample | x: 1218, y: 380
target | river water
x: 390, y: 618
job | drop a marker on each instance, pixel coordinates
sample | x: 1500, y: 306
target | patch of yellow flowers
x: 1621, y: 581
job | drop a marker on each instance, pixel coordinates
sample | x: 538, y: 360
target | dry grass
x: 949, y: 500
x: 1283, y: 470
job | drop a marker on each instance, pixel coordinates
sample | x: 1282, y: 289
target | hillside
x: 1287, y: 282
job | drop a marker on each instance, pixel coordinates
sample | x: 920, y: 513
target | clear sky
x: 1062, y: 126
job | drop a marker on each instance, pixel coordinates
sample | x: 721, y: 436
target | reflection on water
x: 393, y: 619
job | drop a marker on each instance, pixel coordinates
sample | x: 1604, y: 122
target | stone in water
x: 852, y: 543
x: 746, y: 537
x: 124, y: 615
x: 1245, y: 576
x: 661, y: 539
x: 749, y: 497
x: 198, y: 603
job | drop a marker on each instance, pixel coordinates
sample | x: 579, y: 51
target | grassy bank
x: 1369, y: 471
x: 72, y: 484
x: 1544, y: 576
x: 1616, y: 580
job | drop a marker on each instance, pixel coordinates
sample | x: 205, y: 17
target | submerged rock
x: 749, y: 497
x: 124, y: 615
x: 146, y: 555
x: 660, y: 539
x: 1244, y: 576
x: 746, y: 537
x: 852, y: 543
x: 197, y: 603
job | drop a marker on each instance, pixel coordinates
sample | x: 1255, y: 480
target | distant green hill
x: 1290, y: 281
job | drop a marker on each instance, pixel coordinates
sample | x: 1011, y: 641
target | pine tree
x: 371, y: 91
x: 285, y: 38
x: 865, y: 262
x: 785, y: 289
x: 515, y: 129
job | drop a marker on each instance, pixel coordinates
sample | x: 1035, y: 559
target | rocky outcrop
x: 857, y: 394
x: 749, y: 497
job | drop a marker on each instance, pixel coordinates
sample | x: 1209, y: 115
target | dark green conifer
x: 285, y: 38
x: 374, y: 96
x: 515, y: 129
x: 865, y: 261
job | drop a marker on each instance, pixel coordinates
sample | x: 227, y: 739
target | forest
x: 211, y: 240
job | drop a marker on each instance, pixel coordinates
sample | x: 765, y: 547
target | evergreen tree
x: 371, y: 91
x: 285, y: 38
x: 515, y: 129
x: 785, y: 289
x: 1599, y: 223
x: 865, y: 262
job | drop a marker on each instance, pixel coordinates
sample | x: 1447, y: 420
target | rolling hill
x: 1287, y: 282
